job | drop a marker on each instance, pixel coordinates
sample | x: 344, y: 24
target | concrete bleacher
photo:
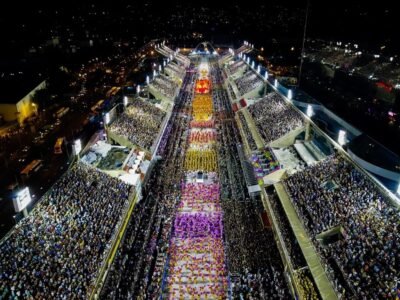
x: 305, y: 153
x: 311, y: 256
x: 315, y: 151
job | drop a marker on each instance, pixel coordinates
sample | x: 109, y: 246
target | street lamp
x: 290, y: 95
x: 342, y: 137
x: 310, y: 111
x: 107, y: 118
x: 77, y: 147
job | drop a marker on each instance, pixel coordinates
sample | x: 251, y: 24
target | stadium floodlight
x: 266, y: 75
x: 290, y: 94
x: 107, y: 116
x: 342, y: 137
x: 22, y: 200
x: 147, y: 79
x: 77, y: 146
x: 125, y: 100
x: 310, y: 111
x: 138, y: 89
x: 276, y: 83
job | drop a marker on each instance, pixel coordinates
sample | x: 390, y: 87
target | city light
x: 310, y: 111
x: 276, y: 83
x: 77, y: 147
x: 22, y: 199
x: 290, y: 94
x: 125, y: 100
x: 342, y: 137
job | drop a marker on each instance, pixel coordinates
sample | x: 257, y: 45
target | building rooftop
x: 14, y: 88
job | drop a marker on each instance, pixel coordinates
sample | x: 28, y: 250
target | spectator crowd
x: 140, y: 123
x: 248, y: 82
x: 335, y: 193
x: 57, y: 250
x: 274, y: 117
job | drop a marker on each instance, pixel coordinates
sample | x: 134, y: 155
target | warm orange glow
x: 202, y: 86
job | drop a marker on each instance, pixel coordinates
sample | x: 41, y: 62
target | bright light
x: 125, y: 100
x: 154, y: 73
x: 310, y: 111
x: 248, y: 60
x: 159, y: 68
x: 164, y: 63
x: 138, y: 89
x: 22, y: 199
x: 215, y: 53
x: 342, y: 137
x: 107, y: 116
x: 391, y: 58
x: 147, y: 79
x: 266, y: 75
x: 276, y: 83
x: 398, y: 189
x: 77, y: 147
x: 290, y: 94
x: 258, y: 69
x: 252, y: 64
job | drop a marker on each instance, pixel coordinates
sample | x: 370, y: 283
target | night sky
x: 370, y: 24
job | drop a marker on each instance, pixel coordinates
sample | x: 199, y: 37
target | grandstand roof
x: 370, y: 150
